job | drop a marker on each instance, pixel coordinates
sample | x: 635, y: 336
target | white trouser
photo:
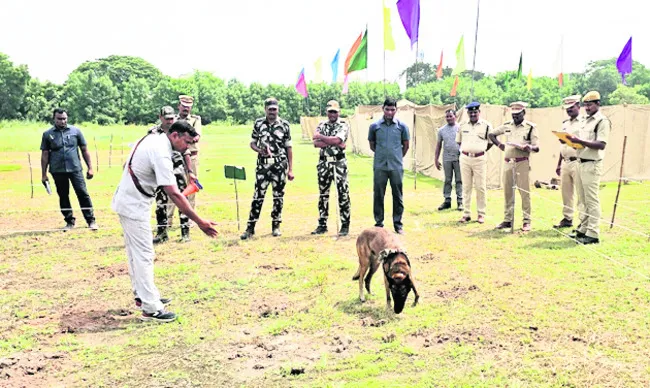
x: 138, y: 240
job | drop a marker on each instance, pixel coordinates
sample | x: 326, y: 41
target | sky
x: 271, y: 41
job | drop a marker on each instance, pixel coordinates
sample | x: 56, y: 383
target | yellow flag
x: 318, y: 74
x: 460, y: 57
x: 529, y: 84
x: 389, y: 43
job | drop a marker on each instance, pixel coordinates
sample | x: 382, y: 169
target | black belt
x: 338, y: 157
x: 473, y: 154
x: 571, y: 159
x: 589, y: 160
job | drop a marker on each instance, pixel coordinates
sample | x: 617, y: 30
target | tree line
x: 125, y: 89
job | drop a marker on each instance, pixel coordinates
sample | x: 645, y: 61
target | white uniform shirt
x: 152, y: 165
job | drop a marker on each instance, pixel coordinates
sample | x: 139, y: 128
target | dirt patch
x: 371, y: 322
x: 94, y: 321
x: 26, y: 369
x: 268, y: 309
x: 117, y: 269
x: 253, y: 356
x: 456, y: 292
x: 481, y: 335
x: 426, y: 257
x: 273, y: 267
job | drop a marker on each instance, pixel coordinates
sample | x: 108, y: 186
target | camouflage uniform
x: 270, y: 170
x: 163, y: 204
x: 333, y: 157
x: 193, y: 151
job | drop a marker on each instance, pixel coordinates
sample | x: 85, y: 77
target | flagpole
x: 415, y: 83
x: 384, y: 72
x: 478, y: 8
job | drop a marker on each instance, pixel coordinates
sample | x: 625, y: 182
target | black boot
x: 445, y: 205
x: 249, y: 232
x: 460, y: 207
x: 161, y: 236
x: 185, y: 234
x: 321, y: 229
x: 275, y: 227
x: 345, y: 229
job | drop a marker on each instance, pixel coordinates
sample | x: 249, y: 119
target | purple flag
x: 624, y: 61
x: 409, y: 12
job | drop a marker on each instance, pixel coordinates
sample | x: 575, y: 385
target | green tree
x: 121, y: 68
x: 137, y: 102
x: 40, y: 100
x: 13, y: 84
x: 210, y: 100
x: 89, y: 98
x: 627, y: 95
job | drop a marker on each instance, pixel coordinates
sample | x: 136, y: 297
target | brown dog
x: 376, y: 246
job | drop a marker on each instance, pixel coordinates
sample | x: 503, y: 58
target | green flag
x: 519, y: 70
x: 460, y: 57
x: 359, y: 58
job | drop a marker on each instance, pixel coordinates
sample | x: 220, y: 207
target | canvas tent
x: 632, y: 121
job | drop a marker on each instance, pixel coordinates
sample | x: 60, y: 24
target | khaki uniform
x: 524, y: 133
x: 473, y: 163
x: 595, y: 128
x: 193, y: 151
x: 569, y: 170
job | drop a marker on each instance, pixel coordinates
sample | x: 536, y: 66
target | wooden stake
x: 31, y: 177
x: 110, y: 152
x: 620, y: 179
x: 96, y: 153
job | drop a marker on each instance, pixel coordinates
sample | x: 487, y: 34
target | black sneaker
x: 158, y: 316
x: 68, y: 226
x: 460, y: 207
x: 577, y: 235
x: 586, y: 240
x: 320, y: 230
x: 345, y: 230
x: 165, y: 301
x: 445, y: 205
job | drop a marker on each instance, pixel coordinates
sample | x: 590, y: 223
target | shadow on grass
x: 367, y: 309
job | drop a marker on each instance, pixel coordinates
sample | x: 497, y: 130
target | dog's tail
x: 358, y: 274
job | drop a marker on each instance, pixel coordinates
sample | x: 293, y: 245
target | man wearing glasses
x: 271, y: 140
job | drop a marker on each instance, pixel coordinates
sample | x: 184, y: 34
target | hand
x: 438, y: 165
x: 290, y: 175
x: 317, y: 136
x: 90, y: 174
x: 192, y: 177
x: 262, y: 151
x: 342, y: 146
x: 502, y: 146
x: 558, y: 170
x: 44, y: 178
x: 526, y: 148
x: 207, y: 228
x: 574, y: 139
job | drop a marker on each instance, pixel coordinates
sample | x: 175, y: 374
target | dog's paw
x: 362, y: 299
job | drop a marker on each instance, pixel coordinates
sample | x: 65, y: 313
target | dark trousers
x: 265, y: 175
x: 452, y: 170
x: 62, y: 182
x: 380, y: 178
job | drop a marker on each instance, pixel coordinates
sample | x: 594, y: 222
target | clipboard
x: 563, y: 136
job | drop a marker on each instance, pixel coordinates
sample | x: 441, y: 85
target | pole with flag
x: 357, y: 58
x: 335, y: 66
x: 301, y: 85
x: 460, y: 64
x: 521, y: 56
x: 439, y: 69
x: 624, y: 61
x: 471, y: 92
x: 389, y: 42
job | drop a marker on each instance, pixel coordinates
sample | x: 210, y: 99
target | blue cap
x: 474, y: 105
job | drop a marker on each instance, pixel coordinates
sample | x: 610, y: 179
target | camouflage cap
x: 167, y: 111
x: 270, y: 101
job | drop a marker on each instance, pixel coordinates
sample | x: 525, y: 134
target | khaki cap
x: 186, y: 100
x: 568, y: 102
x: 591, y: 96
x: 333, y: 105
x: 517, y: 107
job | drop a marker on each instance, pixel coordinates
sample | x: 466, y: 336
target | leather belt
x: 474, y: 155
x: 330, y: 159
x: 517, y: 160
x: 194, y: 153
x: 589, y: 160
x: 570, y: 159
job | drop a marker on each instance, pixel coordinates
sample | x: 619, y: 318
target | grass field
x: 496, y: 309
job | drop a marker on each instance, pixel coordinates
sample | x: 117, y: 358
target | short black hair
x: 389, y: 101
x: 182, y: 127
x: 58, y: 111
x: 450, y: 111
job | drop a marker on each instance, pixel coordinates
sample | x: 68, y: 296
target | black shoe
x: 577, y: 235
x: 460, y: 207
x: 345, y: 230
x: 185, y: 235
x: 158, y: 316
x: 563, y: 224
x: 504, y: 225
x: 248, y: 234
x: 161, y: 238
x: 68, y: 226
x: 445, y: 205
x: 586, y: 240
x: 276, y: 232
x: 165, y: 301
x: 399, y: 231
x: 320, y: 230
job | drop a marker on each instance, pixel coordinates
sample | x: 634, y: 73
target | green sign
x: 235, y: 172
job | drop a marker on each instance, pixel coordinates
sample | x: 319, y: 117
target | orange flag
x: 453, y: 89
x: 439, y: 69
x: 351, y: 53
